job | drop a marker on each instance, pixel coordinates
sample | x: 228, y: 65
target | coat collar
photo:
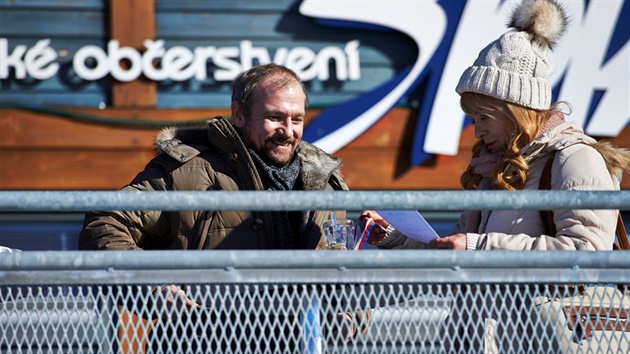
x: 183, y: 144
x: 558, y: 138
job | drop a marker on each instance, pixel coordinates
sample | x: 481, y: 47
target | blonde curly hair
x: 527, y: 122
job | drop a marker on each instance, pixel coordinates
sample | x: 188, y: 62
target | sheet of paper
x: 410, y: 223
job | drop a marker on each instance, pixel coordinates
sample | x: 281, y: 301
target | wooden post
x: 132, y: 22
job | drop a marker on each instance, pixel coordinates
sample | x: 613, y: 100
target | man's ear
x: 237, y: 115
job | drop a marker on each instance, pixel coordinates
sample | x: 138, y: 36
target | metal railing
x: 310, y: 200
x: 375, y: 301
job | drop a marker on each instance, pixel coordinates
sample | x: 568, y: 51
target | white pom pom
x: 545, y: 20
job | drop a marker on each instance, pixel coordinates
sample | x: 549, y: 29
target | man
x: 260, y: 149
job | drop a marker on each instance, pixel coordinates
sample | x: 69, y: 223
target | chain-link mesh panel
x: 379, y: 317
x: 53, y: 319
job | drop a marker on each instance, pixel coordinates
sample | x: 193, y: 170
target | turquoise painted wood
x: 50, y: 99
x: 55, y: 4
x: 271, y: 24
x: 370, y: 55
x: 46, y: 23
x: 226, y: 5
x: 70, y: 25
x: 371, y: 77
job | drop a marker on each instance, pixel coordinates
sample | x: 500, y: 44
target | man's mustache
x: 278, y: 141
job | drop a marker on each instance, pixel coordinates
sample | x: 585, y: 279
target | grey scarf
x: 279, y: 179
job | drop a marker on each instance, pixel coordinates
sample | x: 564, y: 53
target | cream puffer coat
x: 206, y: 159
x: 578, y: 166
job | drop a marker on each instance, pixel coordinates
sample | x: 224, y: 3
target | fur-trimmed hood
x: 185, y: 143
x: 182, y: 143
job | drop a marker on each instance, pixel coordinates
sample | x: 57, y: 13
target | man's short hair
x: 244, y: 84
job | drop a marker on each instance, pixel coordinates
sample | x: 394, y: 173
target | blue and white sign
x: 338, y: 47
x: 592, y: 66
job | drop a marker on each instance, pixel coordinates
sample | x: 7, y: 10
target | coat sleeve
x: 394, y: 239
x: 579, y: 168
x: 129, y: 230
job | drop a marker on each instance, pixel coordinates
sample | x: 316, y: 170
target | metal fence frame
x: 32, y: 201
x: 76, y: 268
x: 116, y: 267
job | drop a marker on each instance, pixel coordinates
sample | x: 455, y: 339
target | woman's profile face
x: 494, y: 127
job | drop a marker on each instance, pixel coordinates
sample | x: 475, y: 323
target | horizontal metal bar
x: 310, y: 200
x: 317, y: 276
x: 274, y: 259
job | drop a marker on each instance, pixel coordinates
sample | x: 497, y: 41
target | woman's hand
x: 453, y: 242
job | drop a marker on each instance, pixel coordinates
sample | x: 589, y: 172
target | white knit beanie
x: 517, y: 66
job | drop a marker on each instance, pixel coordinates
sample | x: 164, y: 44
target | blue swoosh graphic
x: 423, y: 21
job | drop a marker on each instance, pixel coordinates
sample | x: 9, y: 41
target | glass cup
x: 339, y: 237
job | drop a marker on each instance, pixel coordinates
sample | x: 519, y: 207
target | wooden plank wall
x: 47, y: 152
x: 44, y: 151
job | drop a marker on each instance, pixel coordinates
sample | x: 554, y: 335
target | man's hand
x: 171, y: 300
x: 378, y: 233
x: 345, y: 329
x: 371, y: 214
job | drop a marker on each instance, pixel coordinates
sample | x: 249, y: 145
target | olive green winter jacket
x: 208, y: 159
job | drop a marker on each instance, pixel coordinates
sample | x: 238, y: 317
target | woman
x: 507, y: 94
x: 513, y: 147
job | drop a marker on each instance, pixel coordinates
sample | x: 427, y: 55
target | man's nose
x: 286, y: 128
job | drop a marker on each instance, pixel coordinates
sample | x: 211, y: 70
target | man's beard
x: 265, y: 154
